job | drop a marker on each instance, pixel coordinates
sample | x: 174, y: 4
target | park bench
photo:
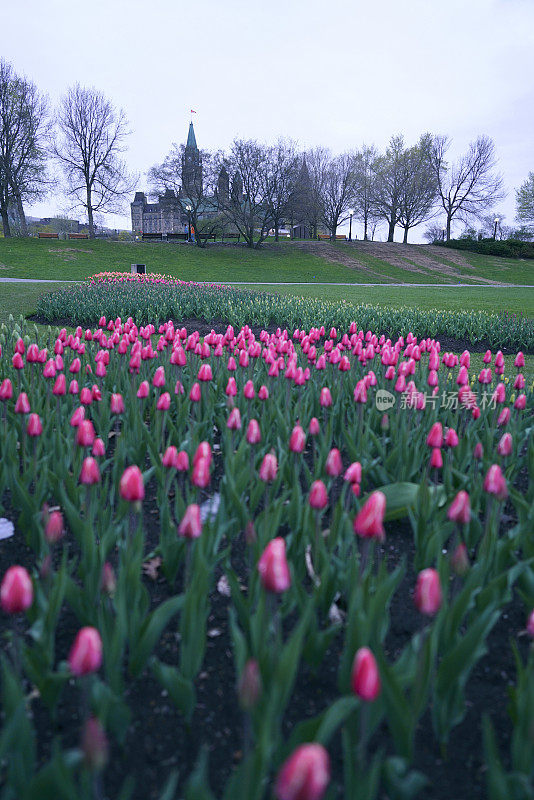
x: 48, y: 235
x: 152, y: 236
x: 77, y: 235
x: 326, y: 236
x: 206, y: 236
x: 177, y: 236
x: 232, y: 236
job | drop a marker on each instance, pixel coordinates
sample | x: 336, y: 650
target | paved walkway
x: 315, y: 283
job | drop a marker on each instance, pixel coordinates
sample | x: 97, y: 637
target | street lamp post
x: 188, y: 209
x: 496, y: 222
x: 350, y: 225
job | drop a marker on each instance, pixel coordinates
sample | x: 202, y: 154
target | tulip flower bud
x: 6, y: 390
x: 117, y: 404
x: 273, y: 567
x: 384, y: 423
x: 427, y: 595
x: 521, y: 402
x: 250, y: 533
x: 16, y: 590
x: 318, y: 498
x: 34, y: 427
x: 353, y: 474
x: 369, y: 521
x: 305, y: 775
x: 325, y: 399
x: 436, y: 459
x: 263, y: 393
x: 131, y: 487
x: 451, y: 438
x: 460, y: 508
x: 54, y: 527
x: 530, y: 624
x: 94, y: 745
x: 201, y: 473
x: 194, y: 394
x: 164, y: 402
x: 365, y: 679
x: 249, y: 686
x: 314, y: 428
x: 108, y: 582
x: 505, y: 446
x: 253, y: 432
x: 191, y: 526
x: 89, y: 473
x: 234, y: 420
x: 504, y: 417
x: 334, y: 465
x: 460, y: 560
x: 297, y: 440
x: 435, y: 437
x: 478, y: 451
x: 159, y: 378
x: 168, y: 459
x: 248, y: 391
x: 99, y: 448
x: 85, y: 435
x: 86, y: 653
x: 182, y: 461
x: 495, y: 482
x: 268, y: 468
x: 22, y: 405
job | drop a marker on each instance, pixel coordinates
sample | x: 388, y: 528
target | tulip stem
x: 361, y: 749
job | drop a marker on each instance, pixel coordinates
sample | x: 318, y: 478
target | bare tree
x: 311, y: 205
x: 247, y: 205
x: 92, y: 135
x: 386, y: 187
x: 338, y: 191
x: 434, y: 233
x: 492, y: 226
x: 363, y: 187
x: 470, y: 186
x: 525, y: 200
x: 280, y: 178
x: 23, y: 133
x: 418, y: 190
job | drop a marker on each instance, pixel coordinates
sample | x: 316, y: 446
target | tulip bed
x: 241, y: 570
x: 157, y: 298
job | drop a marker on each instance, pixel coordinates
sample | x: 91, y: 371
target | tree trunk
x: 90, y: 215
x: 21, y: 215
x: 5, y: 222
x: 448, y: 234
x: 276, y: 231
x: 333, y: 230
x: 365, y: 238
x: 391, y: 230
x: 405, y: 238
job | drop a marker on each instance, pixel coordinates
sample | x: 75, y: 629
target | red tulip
x: 22, y: 405
x: 273, y: 567
x: 353, y: 474
x: 505, y: 446
x: 365, y: 679
x: 297, y: 440
x: 164, y: 402
x: 194, y: 394
x: 86, y: 653
x: 191, y: 525
x: 18, y: 361
x: 268, y: 468
x: 263, y: 393
x: 143, y: 390
x: 305, y: 775
x: 504, y: 417
x: 369, y: 521
x: 451, y: 439
x: 248, y: 391
x: 495, y: 482
x: 34, y: 426
x: 6, y: 390
x: 460, y: 508
x: 54, y: 527
x: 98, y: 448
x: 169, y: 457
x: 521, y: 402
x: 234, y: 420
x: 16, y: 590
x: 231, y: 387
x: 318, y: 495
x: 428, y: 592
x: 182, y: 461
x: 131, y: 487
x: 205, y: 373
x: 334, y: 465
x: 202, y: 451
x: 20, y: 346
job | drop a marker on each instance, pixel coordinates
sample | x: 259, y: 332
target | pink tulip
x: 318, y: 498
x: 117, y: 404
x: 435, y: 437
x: 495, y: 482
x: 34, y: 426
x: 182, y: 461
x: 427, y: 595
x: 85, y: 435
x: 231, y: 387
x: 164, y: 402
x: 16, y: 590
x: 451, y: 438
x: 478, y: 451
x: 99, y: 448
x: 159, y: 378
x: 108, y: 581
x: 205, y: 374
x: 143, y: 390
x: 263, y: 393
x: 234, y: 420
x: 268, y: 468
x: 521, y: 402
x: 436, y: 459
x: 460, y: 508
x: 168, y: 459
x: 131, y: 487
x: 314, y: 428
x: 194, y: 394
x: 201, y: 473
x: 6, y: 390
x: 86, y: 653
x: 203, y: 451
x: 94, y: 745
x: 504, y: 417
x: 54, y: 527
x: 248, y: 391
x: 297, y: 440
x: 460, y: 560
x: 519, y: 360
x: 334, y: 465
x: 273, y: 567
x: 369, y: 522
x: 191, y: 526
x: 505, y: 446
x: 17, y: 361
x: 22, y: 405
x: 253, y: 432
x: 353, y: 474
x: 365, y: 679
x: 305, y: 775
x: 325, y: 399
x: 90, y: 473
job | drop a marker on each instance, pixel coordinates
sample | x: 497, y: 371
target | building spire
x: 191, y: 139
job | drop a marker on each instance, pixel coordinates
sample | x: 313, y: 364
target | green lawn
x: 21, y: 298
x: 286, y: 261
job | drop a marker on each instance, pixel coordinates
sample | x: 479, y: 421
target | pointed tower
x: 223, y: 185
x: 191, y: 166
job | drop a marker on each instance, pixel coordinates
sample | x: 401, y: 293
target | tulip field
x: 262, y: 563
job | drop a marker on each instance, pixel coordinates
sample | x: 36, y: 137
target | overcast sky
x: 334, y: 72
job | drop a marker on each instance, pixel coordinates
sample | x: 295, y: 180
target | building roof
x: 191, y: 140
